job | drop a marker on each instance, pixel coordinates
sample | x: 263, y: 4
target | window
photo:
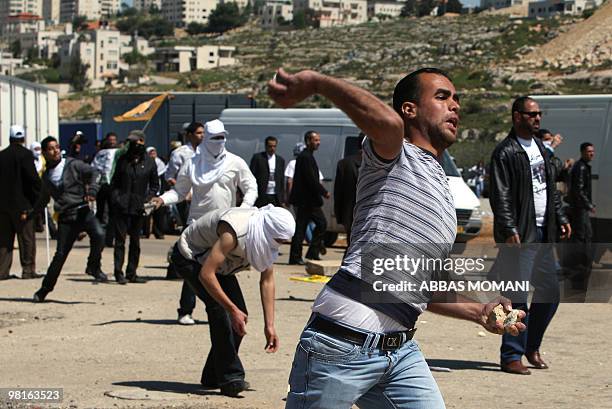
x: 211, y: 54
x: 102, y: 44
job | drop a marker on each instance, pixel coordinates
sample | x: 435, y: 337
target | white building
x: 549, y: 8
x: 109, y: 7
x: 18, y: 24
x: 69, y: 9
x: 335, y: 12
x: 8, y: 64
x: 378, y: 8
x: 15, y: 7
x: 499, y: 4
x: 44, y: 41
x: 182, y: 12
x: 186, y: 58
x: 276, y: 11
x: 100, y: 50
x: 51, y: 11
x: 146, y: 4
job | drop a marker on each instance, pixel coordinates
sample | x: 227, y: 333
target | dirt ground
x: 96, y: 340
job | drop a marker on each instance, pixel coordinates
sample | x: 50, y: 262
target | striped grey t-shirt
x: 405, y: 203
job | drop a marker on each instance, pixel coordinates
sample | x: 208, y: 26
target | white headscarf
x: 209, y: 160
x: 267, y: 224
x: 33, y: 147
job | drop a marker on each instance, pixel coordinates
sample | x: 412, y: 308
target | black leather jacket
x: 580, y: 186
x: 511, y: 194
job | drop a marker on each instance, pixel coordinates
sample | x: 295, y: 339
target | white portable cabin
x: 31, y: 105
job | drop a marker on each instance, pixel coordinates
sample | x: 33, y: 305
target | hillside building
x: 146, y: 4
x: 69, y: 9
x: 187, y: 58
x: 379, y: 8
x: 330, y: 13
x: 51, y: 11
x: 182, y: 12
x: 550, y: 8
x: 275, y: 12
x: 499, y: 4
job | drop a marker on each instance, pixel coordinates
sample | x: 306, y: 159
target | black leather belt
x: 387, y: 342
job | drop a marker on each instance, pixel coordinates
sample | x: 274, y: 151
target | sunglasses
x: 531, y: 114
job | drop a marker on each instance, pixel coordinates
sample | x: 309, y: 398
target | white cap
x: 150, y: 148
x: 186, y: 125
x: 213, y: 128
x: 78, y: 133
x: 17, y: 132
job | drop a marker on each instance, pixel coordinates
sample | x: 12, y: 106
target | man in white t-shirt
x: 527, y: 210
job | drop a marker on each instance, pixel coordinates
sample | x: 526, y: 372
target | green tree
x: 16, y: 49
x: 304, y: 18
x: 454, y: 6
x: 410, y: 8
x: 78, y: 74
x: 425, y: 7
x: 194, y: 28
x: 78, y: 22
x: 133, y: 57
x: 225, y: 17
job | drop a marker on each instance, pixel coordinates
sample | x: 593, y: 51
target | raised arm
x: 379, y: 121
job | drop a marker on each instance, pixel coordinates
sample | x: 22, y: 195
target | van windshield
x: 449, y: 165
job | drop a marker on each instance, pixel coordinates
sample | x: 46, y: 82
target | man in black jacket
x: 306, y: 196
x: 580, y: 211
x: 20, y: 186
x: 345, y: 189
x: 73, y: 184
x: 134, y: 183
x: 268, y: 169
x: 527, y: 209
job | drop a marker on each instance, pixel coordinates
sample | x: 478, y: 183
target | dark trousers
x: 9, y: 227
x: 104, y: 212
x: 67, y: 233
x: 536, y: 263
x: 266, y: 199
x: 155, y: 222
x: 222, y: 364
x: 127, y: 225
x: 303, y: 217
x: 579, y: 259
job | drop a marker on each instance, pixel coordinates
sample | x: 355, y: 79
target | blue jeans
x: 331, y: 373
x: 535, y: 263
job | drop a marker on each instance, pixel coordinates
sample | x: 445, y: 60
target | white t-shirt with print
x: 538, y: 178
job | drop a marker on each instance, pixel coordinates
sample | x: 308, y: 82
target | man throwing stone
x: 354, y: 352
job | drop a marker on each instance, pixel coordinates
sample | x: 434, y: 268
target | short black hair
x: 308, y: 135
x: 409, y: 89
x: 584, y: 145
x: 271, y: 138
x: 519, y: 104
x: 543, y: 132
x: 194, y: 126
x: 108, y: 135
x: 45, y: 142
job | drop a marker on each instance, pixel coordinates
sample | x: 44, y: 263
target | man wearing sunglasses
x: 526, y: 209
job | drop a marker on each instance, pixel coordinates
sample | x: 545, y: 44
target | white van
x: 248, y: 129
x: 585, y: 118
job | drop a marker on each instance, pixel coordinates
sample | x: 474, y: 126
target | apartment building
x: 499, y: 4
x: 378, y: 8
x: 550, y: 8
x: 146, y: 4
x: 21, y: 23
x: 8, y: 64
x: 182, y: 12
x: 51, y: 11
x: 100, y: 50
x: 276, y: 11
x: 69, y: 9
x: 187, y: 58
x: 44, y: 41
x: 109, y: 7
x: 331, y: 13
x: 14, y: 7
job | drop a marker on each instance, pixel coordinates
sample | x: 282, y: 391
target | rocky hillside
x: 484, y: 55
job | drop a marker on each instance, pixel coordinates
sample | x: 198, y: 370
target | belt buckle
x: 392, y: 342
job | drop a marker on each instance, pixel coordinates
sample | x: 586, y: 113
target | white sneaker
x: 186, y: 320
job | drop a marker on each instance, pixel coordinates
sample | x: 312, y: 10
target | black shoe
x: 323, y: 251
x: 100, y: 277
x: 136, y: 279
x: 233, y: 389
x: 317, y: 258
x: 39, y: 296
x: 120, y: 279
x: 209, y: 384
x: 299, y: 262
x: 29, y: 276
